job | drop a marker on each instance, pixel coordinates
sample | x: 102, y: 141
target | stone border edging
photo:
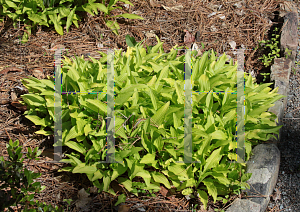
x: 265, y: 162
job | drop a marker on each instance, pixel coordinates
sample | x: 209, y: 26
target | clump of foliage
x: 272, y: 47
x: 17, y: 184
x: 60, y: 13
x: 149, y: 120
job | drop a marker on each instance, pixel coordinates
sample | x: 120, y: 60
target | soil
x: 244, y: 22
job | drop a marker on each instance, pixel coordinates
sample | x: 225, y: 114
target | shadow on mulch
x: 213, y: 23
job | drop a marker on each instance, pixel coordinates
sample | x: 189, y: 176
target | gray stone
x: 266, y: 162
x: 280, y: 72
x: 244, y: 205
x: 289, y: 115
x: 264, y: 166
x: 289, y: 37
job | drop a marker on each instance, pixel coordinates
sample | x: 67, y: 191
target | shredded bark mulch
x: 214, y: 24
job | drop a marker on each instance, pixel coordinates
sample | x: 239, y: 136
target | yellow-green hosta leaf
x: 70, y: 18
x: 178, y: 170
x: 11, y: 4
x: 149, y: 158
x: 159, y: 142
x: 229, y: 116
x: 180, y: 93
x: 204, y: 83
x: 221, y: 178
x: 220, y: 63
x: 143, y: 174
x: 37, y: 120
x: 82, y: 168
x: 87, y: 129
x: 121, y: 199
x: 97, y: 175
x: 33, y: 100
x: 95, y: 104
x: 218, y: 134
x: 213, y: 160
x: 147, y: 68
x: 163, y: 74
x: 211, y: 188
x: 203, y: 197
x: 152, y: 82
x: 160, y: 178
x: 123, y: 97
x: 155, y: 66
x: 126, y: 183
x: 153, y: 99
x: 73, y: 74
x: 76, y: 146
x: 43, y: 132
x: 118, y: 170
x: 48, y: 93
x: 130, y: 16
x: 132, y: 87
x: 74, y: 159
x: 71, y: 134
x: 34, y: 17
x: 160, y: 114
x: 81, y: 123
x: 187, y: 191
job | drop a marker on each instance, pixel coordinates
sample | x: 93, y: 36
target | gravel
x: 288, y: 184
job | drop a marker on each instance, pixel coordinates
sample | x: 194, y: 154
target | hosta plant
x: 149, y: 121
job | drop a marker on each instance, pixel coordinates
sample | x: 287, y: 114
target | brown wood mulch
x: 213, y: 23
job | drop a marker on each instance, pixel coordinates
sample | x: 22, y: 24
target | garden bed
x: 243, y: 24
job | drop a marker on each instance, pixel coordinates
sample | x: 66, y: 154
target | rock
x: 280, y: 72
x: 289, y: 37
x: 244, y: 205
x: 265, y: 172
x: 289, y: 115
x: 264, y: 166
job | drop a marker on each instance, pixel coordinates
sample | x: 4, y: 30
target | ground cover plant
x: 149, y: 117
x: 60, y: 13
x: 18, y: 184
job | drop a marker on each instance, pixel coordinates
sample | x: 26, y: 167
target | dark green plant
x: 149, y: 117
x: 59, y: 13
x: 18, y: 185
x: 272, y: 47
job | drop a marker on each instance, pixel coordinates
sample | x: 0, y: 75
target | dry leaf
x: 10, y: 69
x: 150, y: 34
x: 173, y: 9
x: 93, y: 189
x: 4, y: 98
x: 199, y: 53
x: 213, y: 28
x: 13, y: 96
x: 195, y: 47
x: 19, y: 106
x: 232, y: 44
x: 163, y: 191
x: 212, y: 14
x: 83, y: 199
x: 188, y: 38
x: 58, y: 46
x: 154, y: 4
x: 38, y: 73
x: 276, y: 195
x: 123, y: 208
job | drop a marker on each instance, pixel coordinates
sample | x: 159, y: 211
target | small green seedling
x: 273, y: 49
